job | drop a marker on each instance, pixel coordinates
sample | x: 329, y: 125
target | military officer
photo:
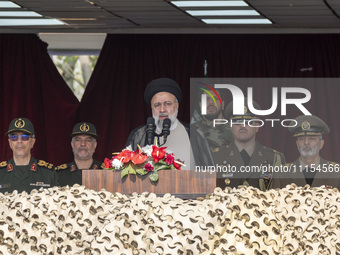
x: 245, y: 161
x: 83, y: 143
x: 220, y: 135
x: 23, y: 172
x: 310, y: 168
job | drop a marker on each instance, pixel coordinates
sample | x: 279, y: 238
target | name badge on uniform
x: 40, y: 184
x: 227, y: 175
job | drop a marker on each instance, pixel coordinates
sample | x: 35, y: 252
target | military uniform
x: 231, y: 158
x: 240, y: 168
x: 35, y: 175
x: 321, y: 172
x: 217, y: 136
x: 330, y: 178
x: 69, y: 174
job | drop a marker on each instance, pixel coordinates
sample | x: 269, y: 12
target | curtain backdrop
x: 114, y: 102
x: 31, y: 87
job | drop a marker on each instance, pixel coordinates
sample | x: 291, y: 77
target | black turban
x: 162, y: 85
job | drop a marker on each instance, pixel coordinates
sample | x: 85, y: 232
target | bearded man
x: 84, y: 143
x: 164, y: 96
x: 310, y: 168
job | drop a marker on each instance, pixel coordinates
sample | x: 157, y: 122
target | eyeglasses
x: 15, y: 138
x: 167, y: 104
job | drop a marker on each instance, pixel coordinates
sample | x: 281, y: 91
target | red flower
x: 177, y: 166
x: 169, y: 159
x: 107, y: 163
x: 139, y: 158
x: 125, y: 156
x: 148, y: 167
x: 157, y: 153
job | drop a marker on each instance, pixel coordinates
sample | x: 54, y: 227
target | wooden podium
x: 181, y: 183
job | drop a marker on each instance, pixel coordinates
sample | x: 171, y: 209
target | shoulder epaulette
x: 220, y: 148
x: 63, y: 166
x: 3, y: 164
x: 272, y: 150
x: 45, y: 164
x: 333, y: 163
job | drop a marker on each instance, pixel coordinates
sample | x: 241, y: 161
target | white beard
x: 311, y: 153
x: 159, y: 122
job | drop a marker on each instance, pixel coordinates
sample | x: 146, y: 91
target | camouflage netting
x: 77, y: 220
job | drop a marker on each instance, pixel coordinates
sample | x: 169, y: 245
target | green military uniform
x: 217, y: 136
x: 230, y: 157
x: 240, y: 169
x: 69, y: 174
x: 322, y: 172
x: 35, y: 175
x: 326, y: 173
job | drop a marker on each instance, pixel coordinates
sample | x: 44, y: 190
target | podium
x: 184, y: 184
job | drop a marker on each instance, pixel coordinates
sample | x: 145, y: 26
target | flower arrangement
x: 148, y: 159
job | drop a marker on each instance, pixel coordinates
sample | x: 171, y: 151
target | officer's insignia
x: 260, y: 153
x: 73, y: 168
x: 10, y: 167
x: 34, y: 167
x: 305, y: 125
x: 95, y: 167
x: 3, y: 164
x: 19, y: 123
x: 63, y: 166
x: 231, y: 153
x: 224, y: 162
x: 227, y: 181
x: 45, y: 164
x: 84, y: 127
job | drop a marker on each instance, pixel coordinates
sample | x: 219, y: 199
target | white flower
x: 147, y: 150
x: 129, y: 148
x: 168, y: 151
x: 117, y: 164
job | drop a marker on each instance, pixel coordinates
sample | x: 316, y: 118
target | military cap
x: 248, y: 115
x: 21, y: 124
x: 84, y: 128
x: 162, y: 85
x: 308, y: 125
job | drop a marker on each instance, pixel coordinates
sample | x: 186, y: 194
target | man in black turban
x: 164, y: 96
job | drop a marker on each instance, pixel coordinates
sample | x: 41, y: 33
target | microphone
x: 150, y: 128
x: 166, y: 129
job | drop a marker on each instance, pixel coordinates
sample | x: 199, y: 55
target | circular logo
x: 19, y: 123
x: 227, y: 181
x: 84, y: 127
x: 305, y: 125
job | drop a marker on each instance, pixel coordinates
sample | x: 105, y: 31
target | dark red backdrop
x: 32, y: 87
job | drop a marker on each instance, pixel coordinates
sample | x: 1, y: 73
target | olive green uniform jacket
x: 327, y: 173
x: 37, y: 174
x: 262, y: 157
x: 69, y: 174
